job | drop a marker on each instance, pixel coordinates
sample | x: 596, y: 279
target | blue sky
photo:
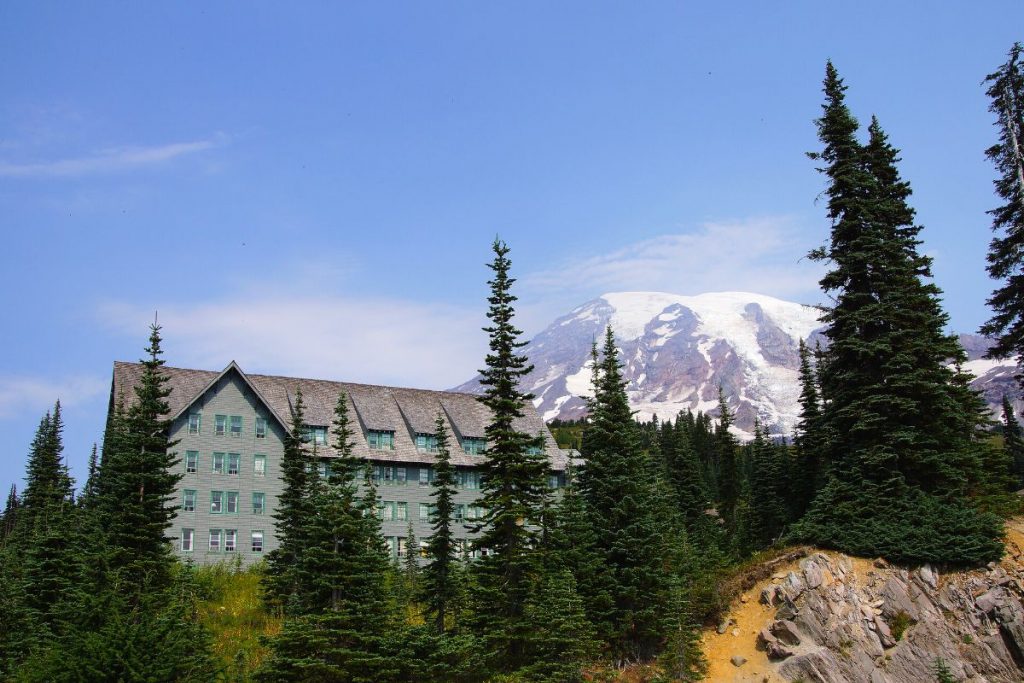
x: 314, y: 190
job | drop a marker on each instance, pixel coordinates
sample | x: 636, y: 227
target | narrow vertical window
x: 257, y: 541
x: 236, y: 426
x: 426, y: 476
x: 401, y: 546
x: 218, y: 463
x: 402, y: 511
x: 259, y: 501
x: 214, y: 540
x: 424, y: 512
x: 460, y: 513
x: 188, y: 504
x: 220, y: 424
x: 216, y: 502
x: 194, y: 423
x: 261, y: 427
x: 232, y: 502
x: 187, y: 538
x: 230, y: 537
x: 259, y: 465
x: 191, y: 461
x: 400, y: 475
x: 234, y: 463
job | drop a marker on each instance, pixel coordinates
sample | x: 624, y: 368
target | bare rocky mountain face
x: 831, y: 618
x: 677, y: 350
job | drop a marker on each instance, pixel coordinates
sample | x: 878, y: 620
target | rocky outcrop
x: 837, y: 623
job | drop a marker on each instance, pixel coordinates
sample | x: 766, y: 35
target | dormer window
x: 474, y: 445
x: 426, y: 443
x: 379, y: 440
x: 316, y: 435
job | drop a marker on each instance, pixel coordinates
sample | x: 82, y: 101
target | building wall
x: 229, y: 396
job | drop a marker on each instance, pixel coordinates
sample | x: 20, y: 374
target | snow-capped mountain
x: 676, y: 350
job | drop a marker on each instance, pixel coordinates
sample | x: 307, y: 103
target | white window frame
x: 216, y: 502
x: 230, y: 540
x: 195, y: 423
x: 235, y: 458
x: 215, y: 540
x: 188, y: 538
x: 257, y: 534
x: 219, y: 463
x: 259, y: 465
x: 191, y: 462
x: 185, y: 500
x: 261, y: 427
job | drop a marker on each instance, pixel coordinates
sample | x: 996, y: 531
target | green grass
x: 233, y: 611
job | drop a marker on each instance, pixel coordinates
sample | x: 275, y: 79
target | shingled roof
x: 401, y: 410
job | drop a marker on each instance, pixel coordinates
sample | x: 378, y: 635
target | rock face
x: 838, y: 620
x: 676, y: 351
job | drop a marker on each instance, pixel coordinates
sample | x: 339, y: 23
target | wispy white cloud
x: 762, y: 255
x: 31, y: 395
x: 371, y: 340
x: 107, y: 160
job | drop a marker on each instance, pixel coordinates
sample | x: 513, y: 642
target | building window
x: 386, y: 510
x: 259, y: 503
x: 216, y: 502
x: 259, y: 465
x: 400, y: 477
x: 234, y: 463
x: 474, y: 446
x: 220, y: 424
x: 425, y: 510
x: 232, y: 502
x: 402, y: 511
x: 214, y: 540
x: 194, y: 422
x: 187, y: 537
x: 188, y: 504
x: 257, y: 541
x: 426, y: 443
x: 460, y: 513
x: 261, y: 427
x: 380, y: 440
x: 316, y: 435
x: 191, y: 461
x: 401, y: 546
x: 230, y: 537
x: 534, y: 450
x: 553, y: 481
x: 426, y: 476
x: 218, y: 463
x: 236, y: 426
x: 468, y: 479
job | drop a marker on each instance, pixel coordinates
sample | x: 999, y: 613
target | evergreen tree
x: 89, y: 491
x: 1013, y: 440
x: 513, y: 484
x: 10, y: 516
x: 767, y: 484
x: 440, y: 587
x: 562, y: 639
x: 809, y: 441
x: 618, y: 484
x: 729, y: 477
x: 904, y: 454
x: 281, y: 582
x: 1006, y: 91
x: 139, y: 479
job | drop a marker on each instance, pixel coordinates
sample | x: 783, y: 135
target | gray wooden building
x: 230, y: 428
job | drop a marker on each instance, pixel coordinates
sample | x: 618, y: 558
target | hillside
x: 830, y: 618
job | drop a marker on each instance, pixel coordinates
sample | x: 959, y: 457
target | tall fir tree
x: 440, y: 581
x: 1005, y: 260
x: 809, y: 441
x: 904, y: 453
x: 729, y: 475
x: 1013, y: 442
x: 10, y: 516
x: 513, y: 484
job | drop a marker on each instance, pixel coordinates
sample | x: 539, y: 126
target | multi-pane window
x: 188, y: 504
x: 386, y: 510
x: 236, y: 426
x: 402, y: 511
x: 232, y: 502
x: 261, y: 427
x: 230, y: 538
x: 259, y: 503
x: 425, y: 509
x: 401, y: 546
x: 234, y: 463
x: 400, y: 477
x: 316, y: 435
x: 468, y: 479
x: 259, y: 465
x: 218, y: 463
x: 534, y: 450
x: 187, y: 539
x: 215, y: 540
x: 216, y: 502
x: 257, y: 541
x: 426, y: 476
x: 191, y: 461
x: 426, y: 443
x: 220, y: 424
x: 389, y: 475
x: 195, y: 421
x: 473, y: 445
x: 460, y: 513
x: 380, y: 440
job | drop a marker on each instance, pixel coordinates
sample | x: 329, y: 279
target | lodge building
x: 230, y: 428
